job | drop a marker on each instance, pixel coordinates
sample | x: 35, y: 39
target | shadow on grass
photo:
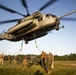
x: 38, y: 73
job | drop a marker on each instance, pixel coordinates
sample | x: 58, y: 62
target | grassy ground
x: 61, y: 68
x: 64, y: 68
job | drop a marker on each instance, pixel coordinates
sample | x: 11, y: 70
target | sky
x: 59, y: 42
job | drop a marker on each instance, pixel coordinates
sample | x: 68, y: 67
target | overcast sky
x: 58, y: 42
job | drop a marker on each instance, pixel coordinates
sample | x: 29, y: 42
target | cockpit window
x: 52, y: 15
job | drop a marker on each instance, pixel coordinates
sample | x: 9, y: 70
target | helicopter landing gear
x: 26, y: 42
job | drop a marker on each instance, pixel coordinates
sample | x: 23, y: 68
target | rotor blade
x: 9, y: 21
x: 10, y: 10
x: 67, y: 14
x: 2, y: 31
x: 47, y: 4
x: 24, y: 3
x: 68, y: 19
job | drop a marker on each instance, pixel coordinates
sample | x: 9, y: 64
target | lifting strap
x: 21, y: 48
x: 36, y: 44
x: 21, y: 45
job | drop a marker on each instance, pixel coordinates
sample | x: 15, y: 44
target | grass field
x: 61, y: 68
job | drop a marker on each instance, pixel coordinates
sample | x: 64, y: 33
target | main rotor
x: 25, y: 5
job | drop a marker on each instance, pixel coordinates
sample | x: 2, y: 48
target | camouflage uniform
x: 48, y: 63
x: 43, y: 59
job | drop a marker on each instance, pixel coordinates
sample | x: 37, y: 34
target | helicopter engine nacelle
x: 19, y: 26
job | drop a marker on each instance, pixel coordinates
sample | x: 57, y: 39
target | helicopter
x: 32, y: 26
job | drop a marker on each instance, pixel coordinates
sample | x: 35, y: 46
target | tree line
x: 70, y: 57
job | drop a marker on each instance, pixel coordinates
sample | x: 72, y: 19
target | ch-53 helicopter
x: 32, y: 26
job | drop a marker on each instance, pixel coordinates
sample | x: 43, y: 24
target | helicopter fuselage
x: 32, y: 26
x: 38, y: 24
